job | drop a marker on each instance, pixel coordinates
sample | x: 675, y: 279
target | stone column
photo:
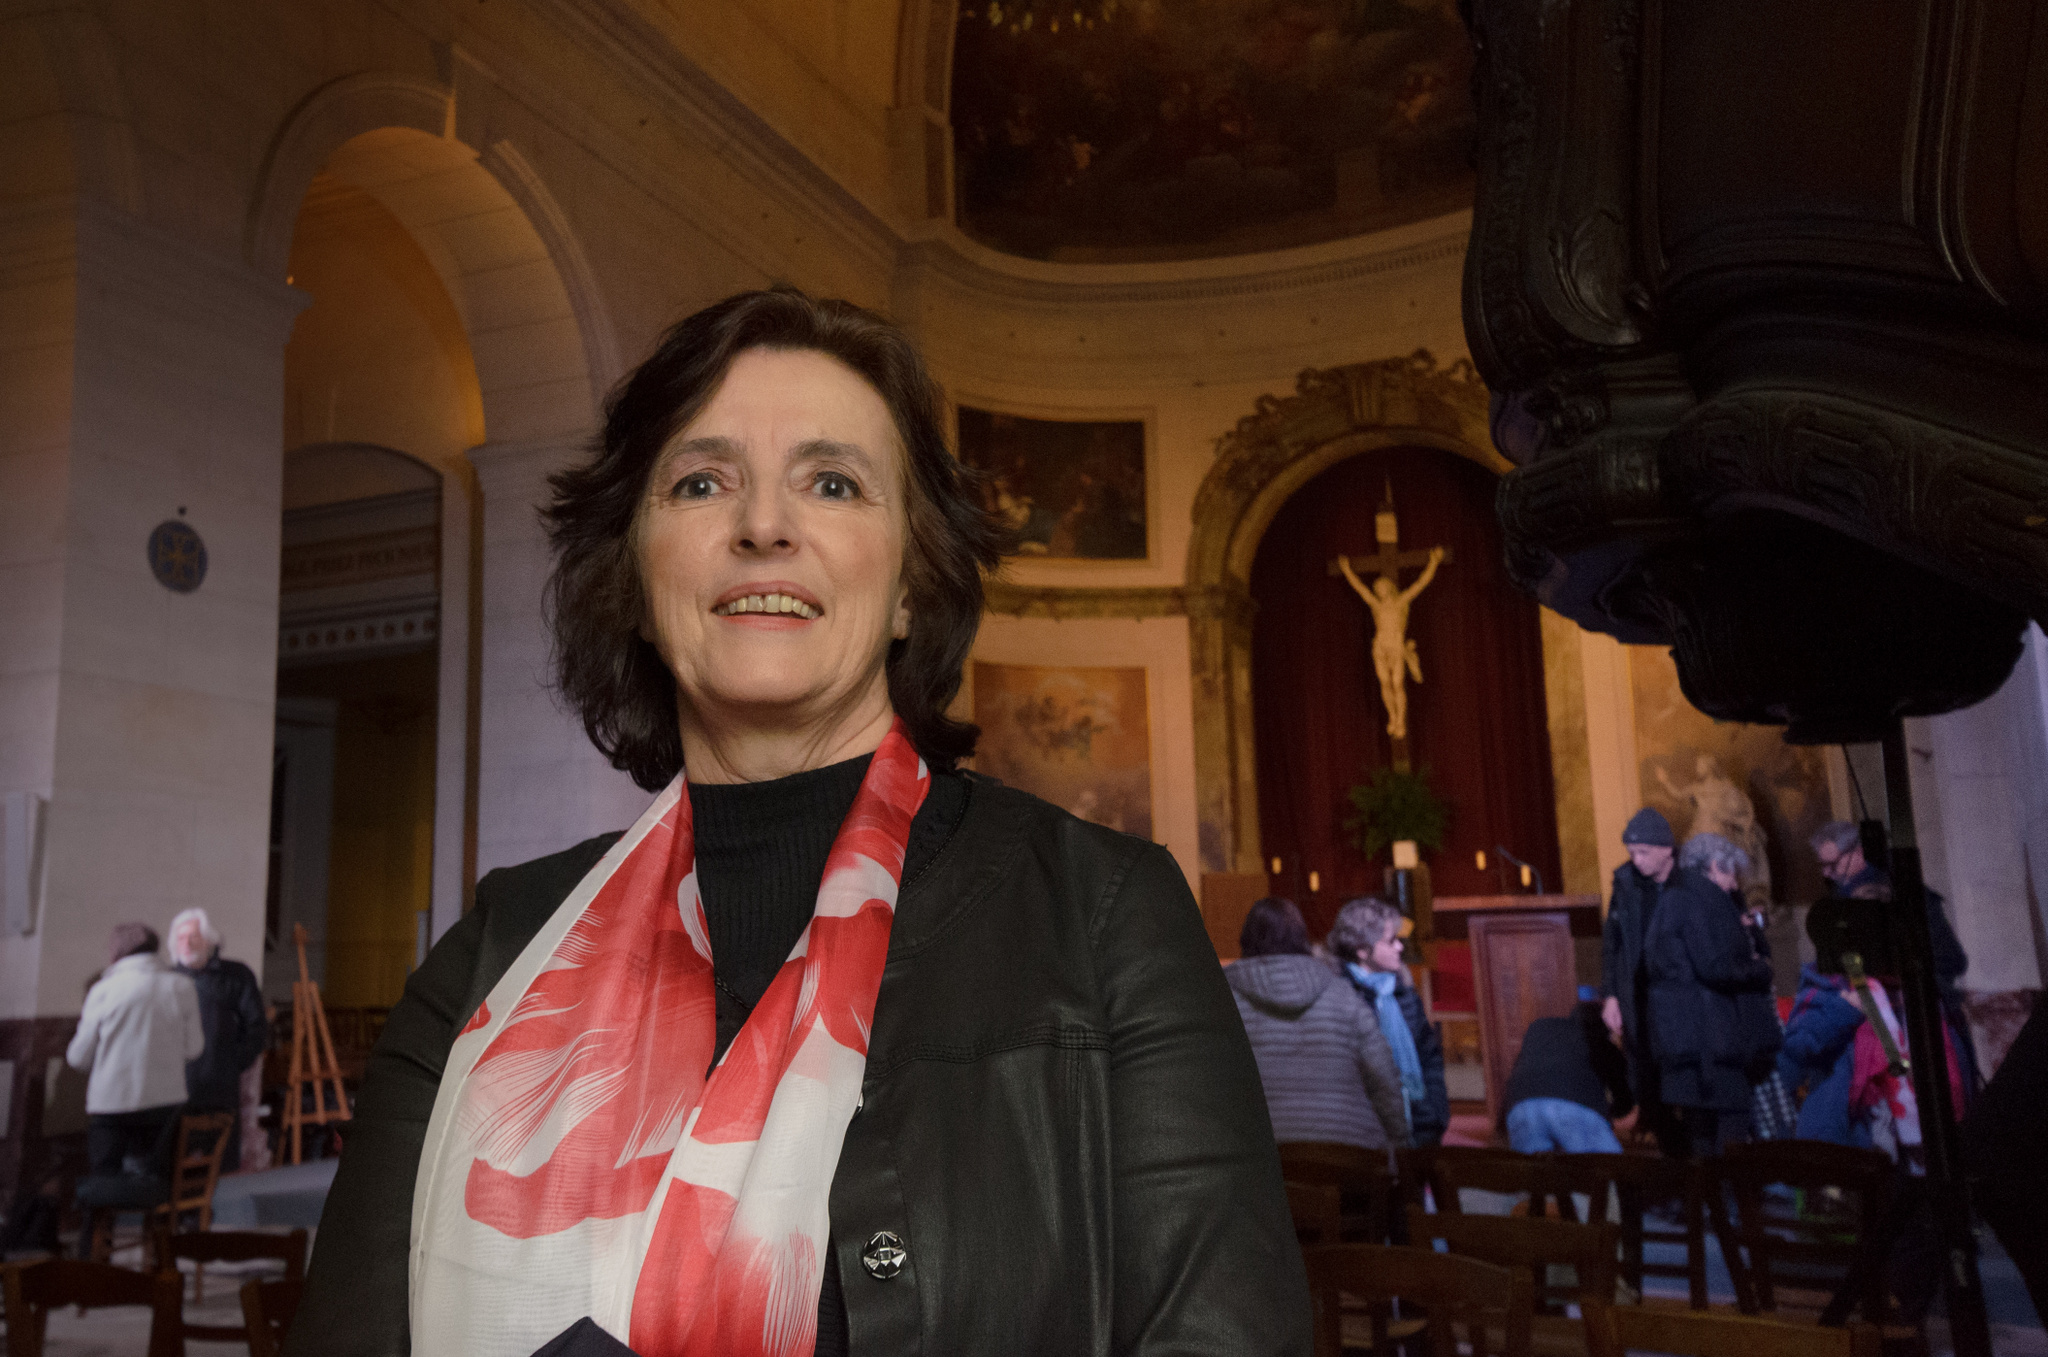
x: 541, y: 786
x: 142, y: 382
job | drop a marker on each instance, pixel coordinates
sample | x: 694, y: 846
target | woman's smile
x: 773, y: 603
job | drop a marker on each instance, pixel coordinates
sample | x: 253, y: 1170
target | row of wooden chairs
x: 1487, y: 1286
x: 1808, y: 1218
x: 30, y: 1290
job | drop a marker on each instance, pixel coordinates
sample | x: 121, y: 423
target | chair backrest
x: 1643, y: 1184
x: 202, y: 1138
x: 1452, y: 1292
x: 242, y: 1246
x: 1363, y: 1177
x: 1317, y: 1219
x: 267, y: 1310
x: 1684, y: 1333
x: 32, y: 1290
x: 1825, y: 1232
x: 1534, y: 1177
x: 1532, y: 1245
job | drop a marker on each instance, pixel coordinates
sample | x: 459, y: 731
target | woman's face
x: 1722, y: 877
x: 1384, y: 955
x: 770, y: 547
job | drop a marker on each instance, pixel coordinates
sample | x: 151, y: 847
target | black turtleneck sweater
x: 761, y: 850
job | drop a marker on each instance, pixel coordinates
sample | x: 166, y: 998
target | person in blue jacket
x: 1819, y: 1055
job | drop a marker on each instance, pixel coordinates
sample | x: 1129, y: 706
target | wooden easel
x: 314, y: 1066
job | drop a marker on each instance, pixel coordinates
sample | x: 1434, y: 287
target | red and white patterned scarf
x: 578, y: 1161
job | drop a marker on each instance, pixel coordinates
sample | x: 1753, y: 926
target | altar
x: 1506, y: 960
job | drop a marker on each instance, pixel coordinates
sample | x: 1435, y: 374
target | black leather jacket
x: 1061, y: 1119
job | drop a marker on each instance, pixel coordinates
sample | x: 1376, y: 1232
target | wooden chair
x: 1451, y: 1291
x: 1640, y: 1182
x: 267, y: 1311
x: 1317, y: 1219
x: 1448, y: 1168
x: 1684, y: 1333
x: 195, y: 1173
x: 32, y: 1290
x: 1827, y: 1238
x: 1533, y: 1245
x: 234, y: 1246
x: 1369, y: 1192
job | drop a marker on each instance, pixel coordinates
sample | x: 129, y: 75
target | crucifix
x: 1394, y: 658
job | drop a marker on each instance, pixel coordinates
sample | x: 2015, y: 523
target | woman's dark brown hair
x: 615, y: 680
x: 1273, y: 927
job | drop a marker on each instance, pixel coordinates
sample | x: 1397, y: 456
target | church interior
x: 303, y: 303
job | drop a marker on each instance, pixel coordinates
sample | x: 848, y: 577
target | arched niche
x: 1333, y: 414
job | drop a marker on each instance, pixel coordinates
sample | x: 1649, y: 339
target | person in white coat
x: 140, y: 1025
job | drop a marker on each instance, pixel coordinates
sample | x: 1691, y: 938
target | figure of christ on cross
x: 1392, y: 651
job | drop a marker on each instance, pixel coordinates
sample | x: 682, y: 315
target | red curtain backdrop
x: 1477, y: 720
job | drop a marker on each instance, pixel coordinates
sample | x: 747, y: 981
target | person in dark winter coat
x: 237, y: 1029
x: 1639, y: 884
x: 1568, y: 1086
x: 1328, y: 1072
x: 1819, y: 1054
x: 1366, y: 942
x: 1709, y: 1048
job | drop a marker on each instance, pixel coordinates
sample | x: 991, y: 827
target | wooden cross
x: 1389, y: 560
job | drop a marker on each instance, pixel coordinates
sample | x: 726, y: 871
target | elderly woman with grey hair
x: 1708, y: 973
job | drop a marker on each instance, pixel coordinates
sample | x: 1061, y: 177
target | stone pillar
x: 142, y: 381
x: 1981, y: 799
x: 541, y: 786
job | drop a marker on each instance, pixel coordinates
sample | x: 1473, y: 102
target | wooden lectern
x: 1524, y: 967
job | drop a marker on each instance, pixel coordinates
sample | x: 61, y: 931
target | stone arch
x: 538, y: 326
x: 1333, y: 414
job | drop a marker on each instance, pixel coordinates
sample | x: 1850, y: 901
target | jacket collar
x: 974, y: 861
x: 140, y: 961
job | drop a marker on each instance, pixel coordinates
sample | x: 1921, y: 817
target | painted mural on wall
x: 1743, y: 782
x: 1103, y: 129
x: 1079, y: 736
x: 1069, y: 488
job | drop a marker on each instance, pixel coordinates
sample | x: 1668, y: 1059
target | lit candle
x: 1479, y: 859
x: 1276, y: 866
x: 1315, y: 882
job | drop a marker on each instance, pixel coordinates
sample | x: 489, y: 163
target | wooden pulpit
x: 1524, y: 967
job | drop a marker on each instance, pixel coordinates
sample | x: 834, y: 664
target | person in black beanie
x: 1639, y: 883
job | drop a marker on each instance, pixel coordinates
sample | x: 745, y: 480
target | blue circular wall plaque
x: 176, y: 556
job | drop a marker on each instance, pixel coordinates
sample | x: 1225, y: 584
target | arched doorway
x: 1477, y: 723
x: 353, y: 795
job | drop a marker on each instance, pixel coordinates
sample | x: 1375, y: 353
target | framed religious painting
x: 1071, y: 489
x: 1080, y: 736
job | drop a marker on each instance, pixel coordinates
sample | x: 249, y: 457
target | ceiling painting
x: 1103, y: 130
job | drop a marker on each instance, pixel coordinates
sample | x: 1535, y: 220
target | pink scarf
x: 578, y: 1161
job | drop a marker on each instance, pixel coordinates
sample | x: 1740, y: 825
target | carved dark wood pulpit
x: 1761, y: 293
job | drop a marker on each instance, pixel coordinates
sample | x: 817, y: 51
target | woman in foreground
x: 836, y: 1049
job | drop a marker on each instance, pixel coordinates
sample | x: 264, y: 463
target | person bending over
x: 1569, y: 1084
